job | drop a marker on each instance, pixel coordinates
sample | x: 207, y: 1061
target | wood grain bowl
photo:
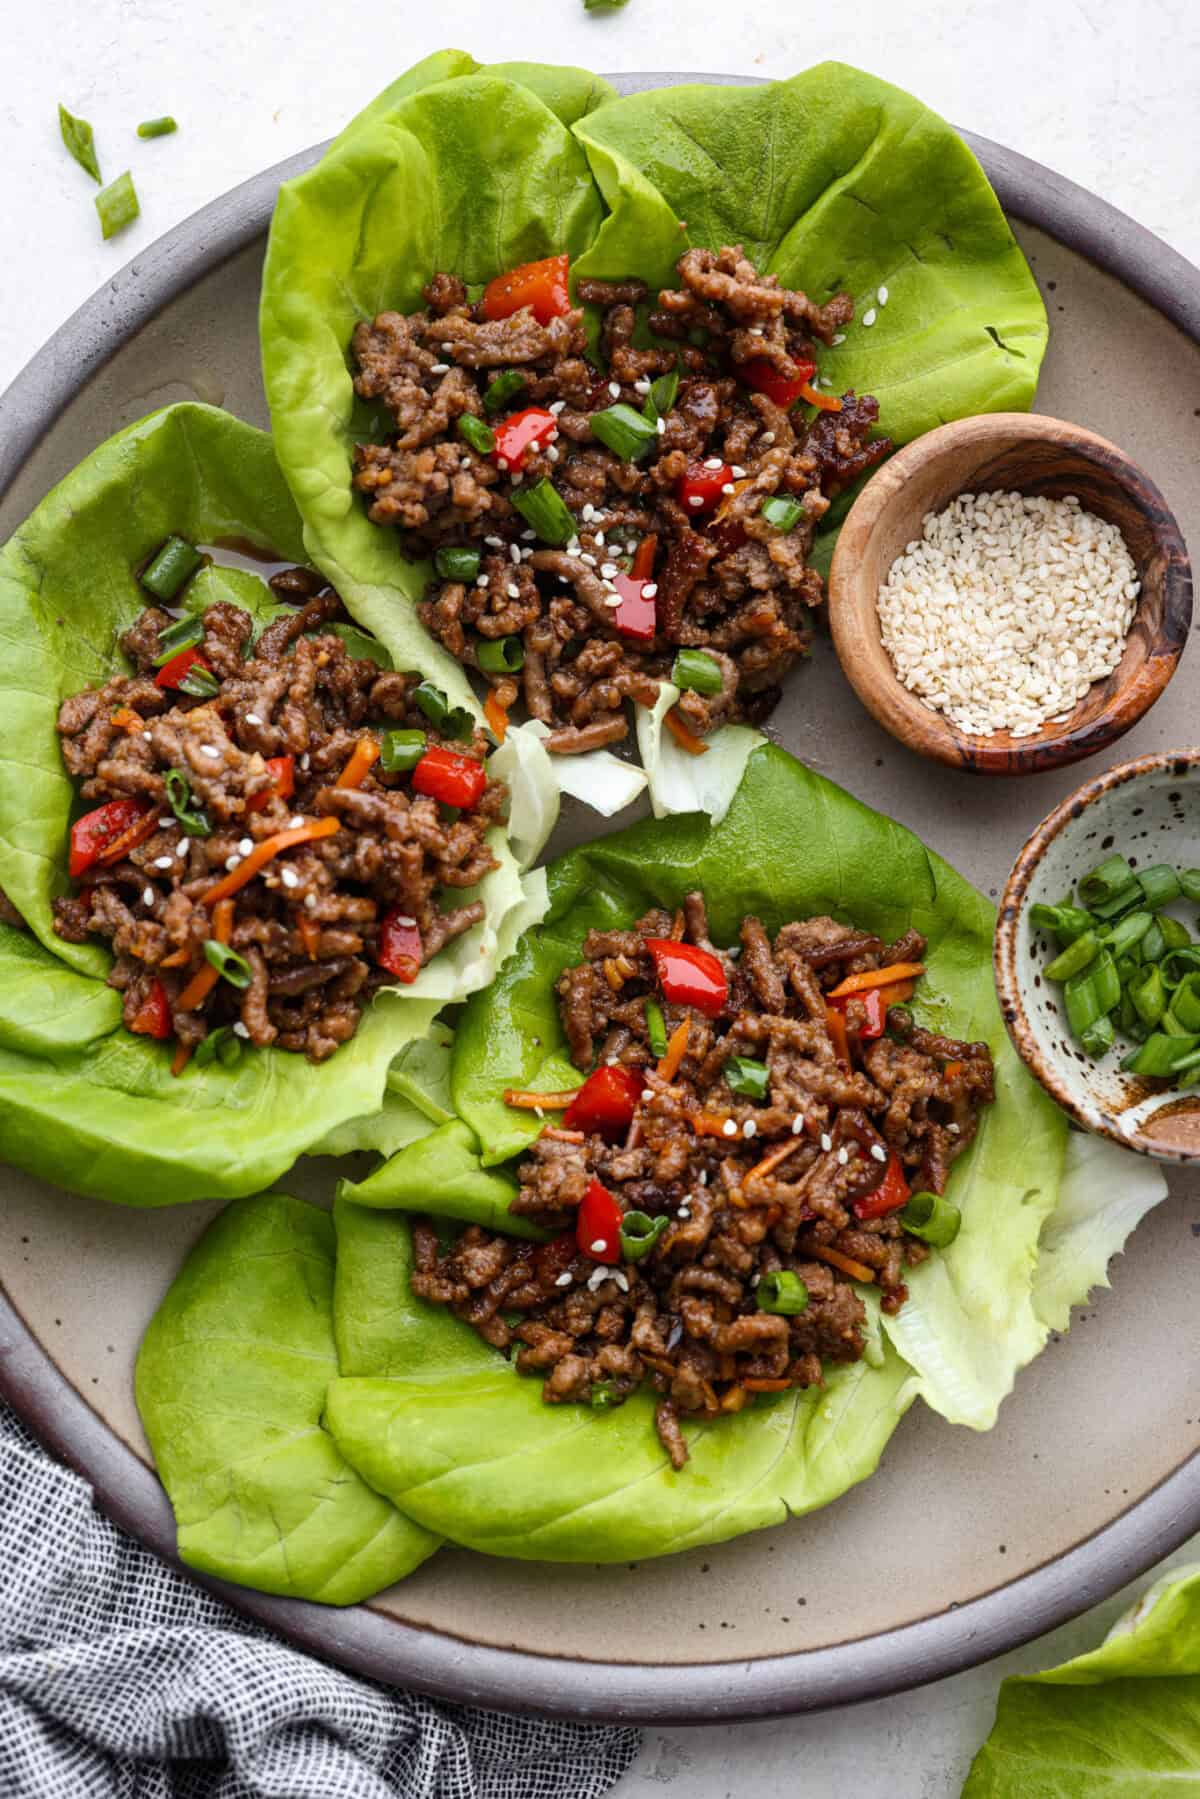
x: 1033, y: 455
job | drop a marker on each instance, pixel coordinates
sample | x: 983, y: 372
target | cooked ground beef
x: 725, y: 579
x: 310, y: 926
x: 748, y: 1187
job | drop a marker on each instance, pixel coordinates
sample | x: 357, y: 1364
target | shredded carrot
x: 537, y: 1102
x: 129, y: 839
x: 835, y: 1024
x: 668, y: 1067
x: 766, y: 1386
x: 126, y: 720
x: 734, y: 1400
x: 496, y: 715
x: 203, y: 982
x: 858, y: 1271
x: 952, y: 1069
x: 687, y: 740
x: 263, y: 852
x: 364, y: 753
x: 876, y: 977
x: 814, y: 396
x: 560, y: 1136
x: 895, y: 996
x: 772, y: 1159
x: 643, y: 558
x: 176, y: 959
x: 310, y: 937
x: 707, y: 1124
x: 181, y: 1058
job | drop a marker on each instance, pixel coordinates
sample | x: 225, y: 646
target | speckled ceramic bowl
x: 1149, y: 811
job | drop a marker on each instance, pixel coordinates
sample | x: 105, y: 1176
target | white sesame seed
x: 879, y: 1153
x: 252, y: 718
x: 514, y: 553
x: 447, y: 349
x: 599, y: 1246
x: 556, y: 407
x: 245, y: 846
x: 614, y: 388
x: 609, y: 570
x: 695, y: 499
x: 739, y: 474
x: 164, y: 862
x: 797, y: 1124
x: 768, y: 437
x: 713, y: 462
x: 647, y: 1093
x: 289, y: 877
x: 310, y: 902
x: 826, y: 1141
x: 206, y: 749
x: 590, y: 560
x: 529, y: 537
x: 552, y: 453
x: 622, y: 1280
x: 843, y: 1156
x: 641, y: 387
x: 440, y: 368
x: 649, y: 590
x: 165, y: 823
x: 181, y: 849
x: 702, y: 1177
x: 481, y: 580
x: 518, y: 477
x: 147, y: 736
x: 868, y: 317
x: 564, y: 1280
x: 953, y: 1129
x: 883, y: 296
x: 684, y: 1212
x: 839, y: 337
x: 148, y: 896
x: 304, y: 761
x: 494, y: 543
x: 232, y: 862
x: 297, y: 821
x: 749, y: 1129
x: 241, y: 1030
x: 502, y: 463
x: 660, y: 425
x: 404, y: 921
x: 610, y: 599
x: 756, y: 331
x: 727, y: 487
x: 563, y: 581
x: 730, y: 1127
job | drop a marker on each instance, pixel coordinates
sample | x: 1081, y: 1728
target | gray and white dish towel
x: 120, y: 1679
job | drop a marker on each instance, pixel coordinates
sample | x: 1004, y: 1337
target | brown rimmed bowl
x: 1033, y: 455
x: 1149, y: 811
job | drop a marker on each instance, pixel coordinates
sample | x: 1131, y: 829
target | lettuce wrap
x: 831, y: 179
x: 83, y: 1102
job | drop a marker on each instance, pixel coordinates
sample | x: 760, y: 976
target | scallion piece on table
x: 80, y: 140
x: 1159, y: 885
x: 500, y: 655
x: 117, y: 205
x: 932, y: 1218
x: 168, y: 570
x: 604, y: 5
x: 400, y: 751
x: 200, y: 683
x: 184, y: 634
x: 229, y: 965
x: 696, y: 670
x: 504, y: 388
x: 656, y: 1027
x: 1074, y: 958
x: 639, y: 1234
x: 191, y: 819
x: 162, y: 127
x: 1106, y: 881
x: 1189, y: 883
x: 785, y: 515
x: 1127, y: 932
x: 481, y: 437
x: 623, y: 431
x: 782, y: 1292
x: 1099, y: 1038
x: 545, y: 511
x: 1066, y: 921
x: 662, y: 396
x: 454, y: 562
x: 746, y: 1076
x: 1159, y: 1055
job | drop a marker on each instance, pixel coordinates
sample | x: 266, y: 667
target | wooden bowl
x: 1030, y: 454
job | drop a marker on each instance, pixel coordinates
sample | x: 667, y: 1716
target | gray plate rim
x: 365, y: 1640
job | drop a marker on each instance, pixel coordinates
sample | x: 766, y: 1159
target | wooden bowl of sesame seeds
x: 1024, y: 632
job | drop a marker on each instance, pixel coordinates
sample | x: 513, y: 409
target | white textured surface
x: 1103, y: 94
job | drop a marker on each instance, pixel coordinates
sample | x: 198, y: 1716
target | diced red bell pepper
x: 605, y: 1103
x: 153, y: 1016
x: 171, y: 673
x: 531, y: 429
x: 455, y: 780
x: 598, y: 1224
x: 398, y: 948
x: 699, y: 488
x: 643, y: 557
x: 892, y: 1192
x: 542, y: 286
x: 637, y: 615
x: 874, y: 1004
x: 783, y: 389
x: 283, y: 783
x: 97, y: 831
x: 688, y: 975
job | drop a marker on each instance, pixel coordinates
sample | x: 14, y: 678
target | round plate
x: 961, y: 1546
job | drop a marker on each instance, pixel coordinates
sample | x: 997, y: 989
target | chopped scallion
x: 784, y: 514
x: 229, y: 965
x: 639, y: 1234
x: 199, y: 682
x: 157, y: 127
x: 481, y: 437
x: 932, y: 1218
x: 545, y: 511
x: 1074, y: 958
x: 696, y: 670
x: 781, y: 1292
x: 746, y: 1076
x: 656, y: 1027
x: 504, y: 388
x: 454, y: 562
x: 191, y: 819
x: 400, y: 751
x: 169, y: 568
x: 184, y: 634
x: 500, y: 655
x: 1106, y: 881
x: 662, y: 396
x: 1189, y: 882
x: 117, y: 205
x: 80, y: 140
x: 1066, y: 921
x: 1159, y: 885
x: 623, y: 431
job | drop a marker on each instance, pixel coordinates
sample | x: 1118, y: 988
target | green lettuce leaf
x: 446, y: 1429
x: 230, y: 1382
x: 1105, y: 1194
x: 442, y: 1172
x: 1121, y: 1720
x: 680, y: 782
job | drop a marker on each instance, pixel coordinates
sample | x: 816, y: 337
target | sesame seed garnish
x: 609, y: 570
x: 647, y: 1093
x: 839, y: 337
x: 564, y: 1280
x: 440, y: 368
x: 310, y: 902
x: 610, y: 599
x: 296, y: 822
x: 695, y: 499
x: 953, y: 1129
x: 206, y: 749
x: 552, y: 453
x: 749, y: 1129
x: 514, y: 553
x: 165, y: 823
x: 481, y: 580
x: 232, y: 862
x: 826, y: 1141
x: 868, y: 317
x: 493, y: 542
x: 730, y: 1127
x: 181, y: 849
x: 768, y: 437
x: 590, y: 560
x: 599, y: 1246
x: 404, y: 921
x: 289, y: 877
x: 245, y: 846
x: 702, y: 1177
x: 622, y: 1280
x: 148, y: 896
x: 727, y: 487
x: 660, y: 425
x: 843, y: 1156
x: 502, y: 463
x: 518, y: 477
x: 164, y: 862
x: 252, y: 718
x: 879, y: 1153
x: 529, y: 537
x: 649, y: 590
x: 713, y: 462
x: 614, y: 388
x: 883, y: 296
x: 241, y: 1030
x: 556, y: 407
x: 683, y: 1212
x: 447, y: 349
x: 797, y: 1124
x: 641, y: 387
x: 147, y: 736
x: 739, y: 474
x: 513, y: 591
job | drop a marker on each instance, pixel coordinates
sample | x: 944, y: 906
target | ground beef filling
x: 726, y: 580
x: 751, y: 1187
x: 308, y: 924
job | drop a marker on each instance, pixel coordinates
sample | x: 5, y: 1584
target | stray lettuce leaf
x: 421, y: 1074
x: 1105, y: 1194
x: 526, y: 766
x: 442, y: 1172
x: 1122, y: 1720
x: 230, y: 1382
x: 680, y: 782
x: 446, y: 1429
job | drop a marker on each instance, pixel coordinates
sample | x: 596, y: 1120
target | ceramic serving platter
x: 961, y: 1545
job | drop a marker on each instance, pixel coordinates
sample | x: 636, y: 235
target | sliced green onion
x: 456, y: 563
x: 168, y: 569
x: 80, y: 140
x: 222, y: 1045
x: 624, y: 431
x: 1159, y: 885
x: 932, y: 1218
x: 184, y: 634
x: 1105, y: 980
x: 481, y: 437
x: 191, y: 818
x: 1066, y: 921
x: 1091, y: 993
x: 1127, y: 933
x: 500, y: 655
x: 1153, y: 945
x: 400, y: 751
x: 1171, y: 1026
x: 1189, y: 884
x: 604, y: 5
x: 545, y: 511
x: 1099, y: 1038
x: 784, y: 514
x: 1105, y: 882
x: 1178, y: 962
x: 503, y: 389
x: 229, y: 965
x: 1148, y: 995
x: 157, y: 127
x: 1159, y: 1055
x: 695, y: 669
x: 1185, y: 1002
x: 662, y: 396
x: 782, y: 1292
x: 1174, y: 935
x: 656, y: 1027
x: 639, y: 1234
x: 603, y: 1396
x: 1074, y: 958
x: 200, y: 683
x: 451, y: 721
x: 117, y: 205
x: 746, y: 1076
